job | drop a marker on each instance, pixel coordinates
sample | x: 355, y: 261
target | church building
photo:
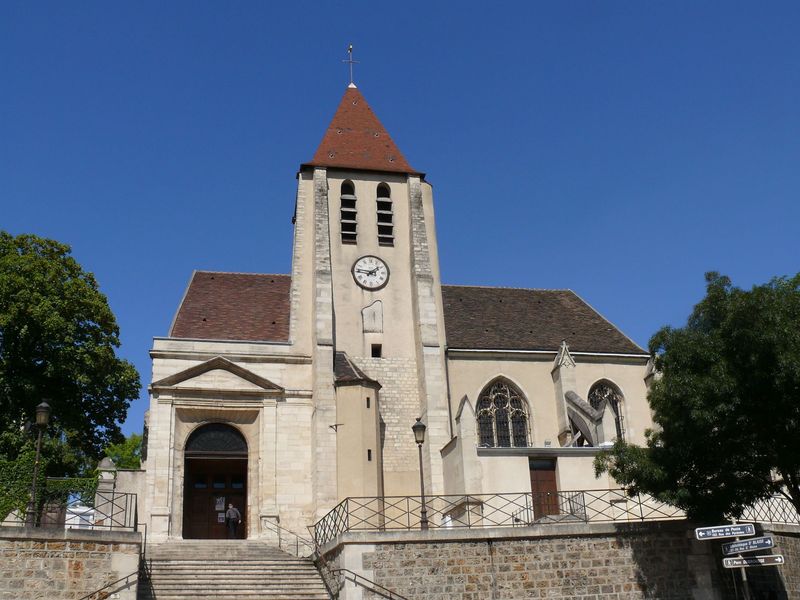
x: 283, y: 394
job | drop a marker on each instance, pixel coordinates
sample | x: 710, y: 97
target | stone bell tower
x: 366, y: 297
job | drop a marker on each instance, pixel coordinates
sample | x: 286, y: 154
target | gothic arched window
x: 603, y: 393
x: 348, y: 213
x: 502, y: 416
x: 385, y: 216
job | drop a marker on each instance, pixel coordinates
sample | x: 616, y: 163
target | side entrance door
x: 544, y: 487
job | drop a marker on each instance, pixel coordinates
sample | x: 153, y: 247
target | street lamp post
x: 42, y: 419
x: 419, y: 436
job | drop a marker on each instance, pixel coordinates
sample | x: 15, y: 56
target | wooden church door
x: 215, y: 475
x: 544, y: 487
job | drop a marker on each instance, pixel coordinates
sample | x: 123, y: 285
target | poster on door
x: 219, y: 503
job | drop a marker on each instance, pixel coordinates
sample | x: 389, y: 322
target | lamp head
x: 43, y: 414
x: 419, y: 431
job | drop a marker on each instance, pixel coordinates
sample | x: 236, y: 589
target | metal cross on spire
x: 351, y: 62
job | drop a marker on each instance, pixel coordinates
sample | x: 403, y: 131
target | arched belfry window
x: 602, y: 393
x: 385, y: 216
x: 502, y: 414
x: 216, y: 439
x: 348, y: 213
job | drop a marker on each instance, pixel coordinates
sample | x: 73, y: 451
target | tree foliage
x: 726, y: 406
x: 17, y: 457
x: 128, y: 453
x: 58, y: 341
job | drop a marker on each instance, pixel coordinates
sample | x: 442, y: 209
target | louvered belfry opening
x: 348, y: 213
x: 385, y: 216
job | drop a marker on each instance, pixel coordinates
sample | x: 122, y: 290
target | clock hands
x: 370, y: 272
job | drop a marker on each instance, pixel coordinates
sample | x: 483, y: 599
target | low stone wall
x: 55, y: 564
x: 655, y: 560
x: 787, y: 543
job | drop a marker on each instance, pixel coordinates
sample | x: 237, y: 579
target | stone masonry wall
x: 578, y: 561
x: 788, y: 544
x: 592, y: 568
x: 399, y: 406
x: 65, y: 564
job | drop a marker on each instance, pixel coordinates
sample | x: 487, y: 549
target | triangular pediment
x: 217, y: 374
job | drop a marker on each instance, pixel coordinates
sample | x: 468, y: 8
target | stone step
x: 198, y: 593
x: 224, y: 593
x: 205, y: 555
x: 270, y: 582
x: 229, y: 570
x: 220, y: 564
x: 297, y: 573
x: 209, y: 589
x: 164, y: 576
x: 199, y: 590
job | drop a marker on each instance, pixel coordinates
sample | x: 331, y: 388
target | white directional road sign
x: 766, y: 560
x: 724, y: 531
x: 748, y: 545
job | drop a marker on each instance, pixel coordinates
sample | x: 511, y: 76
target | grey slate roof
x: 527, y: 319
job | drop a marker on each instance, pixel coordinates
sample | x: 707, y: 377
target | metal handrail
x: 298, y: 539
x: 368, y: 584
x: 82, y: 508
x: 489, y: 510
x: 108, y: 585
x: 326, y: 572
x: 776, y: 509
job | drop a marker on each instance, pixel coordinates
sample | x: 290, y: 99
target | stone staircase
x: 227, y: 569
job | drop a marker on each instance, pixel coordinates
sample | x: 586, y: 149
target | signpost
x: 724, y: 531
x: 748, y: 545
x: 738, y: 530
x: 766, y: 560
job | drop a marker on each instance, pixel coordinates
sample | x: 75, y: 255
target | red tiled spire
x: 355, y: 139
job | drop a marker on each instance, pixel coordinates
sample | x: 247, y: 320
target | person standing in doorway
x: 232, y: 519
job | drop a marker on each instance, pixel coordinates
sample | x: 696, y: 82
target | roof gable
x: 356, y: 139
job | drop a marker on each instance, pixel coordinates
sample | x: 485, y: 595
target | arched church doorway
x: 215, y: 474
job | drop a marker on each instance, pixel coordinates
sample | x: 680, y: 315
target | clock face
x: 370, y: 272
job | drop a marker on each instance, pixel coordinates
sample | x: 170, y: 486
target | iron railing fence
x: 66, y: 508
x: 289, y: 541
x: 490, y: 510
x: 777, y: 509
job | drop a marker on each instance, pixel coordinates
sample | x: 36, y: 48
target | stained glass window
x: 502, y: 417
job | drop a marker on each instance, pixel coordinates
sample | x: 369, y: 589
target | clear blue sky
x: 620, y: 149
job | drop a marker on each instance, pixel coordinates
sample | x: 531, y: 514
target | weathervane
x: 351, y: 62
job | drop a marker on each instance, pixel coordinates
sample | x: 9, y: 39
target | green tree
x: 128, y: 453
x: 17, y: 457
x: 726, y: 406
x: 58, y: 341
